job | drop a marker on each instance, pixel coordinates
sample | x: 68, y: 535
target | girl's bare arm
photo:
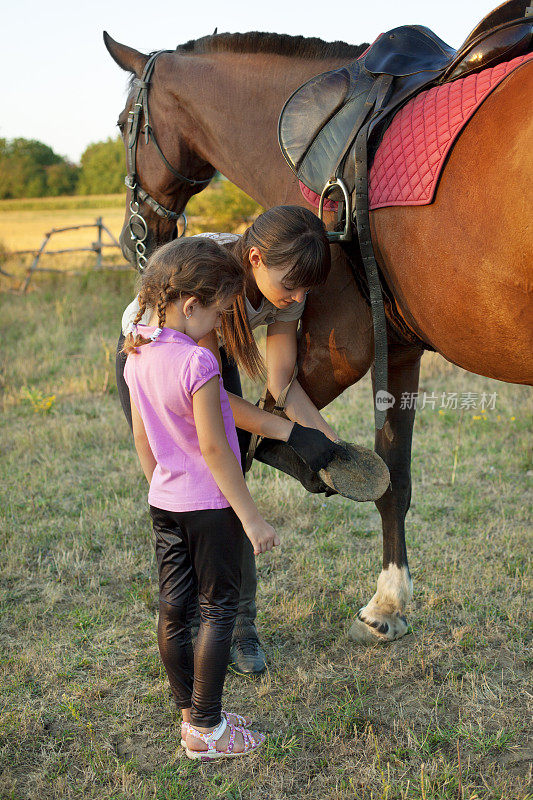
x: 247, y: 416
x: 253, y: 419
x: 281, y: 352
x: 225, y: 468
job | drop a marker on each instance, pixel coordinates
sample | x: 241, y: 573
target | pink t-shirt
x: 162, y: 378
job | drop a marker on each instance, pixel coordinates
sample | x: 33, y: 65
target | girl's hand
x: 262, y: 535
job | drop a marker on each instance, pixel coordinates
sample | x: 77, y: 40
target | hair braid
x: 131, y: 342
x: 162, y: 305
x: 142, y: 308
x: 194, y: 267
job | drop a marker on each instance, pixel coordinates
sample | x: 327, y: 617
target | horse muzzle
x: 127, y: 251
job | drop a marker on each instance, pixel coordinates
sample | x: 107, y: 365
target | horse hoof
x: 357, y: 473
x: 377, y: 628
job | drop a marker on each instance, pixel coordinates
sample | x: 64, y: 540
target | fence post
x: 115, y: 241
x: 98, y: 243
x: 35, y: 262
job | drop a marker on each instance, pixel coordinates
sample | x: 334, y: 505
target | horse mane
x: 277, y: 43
x: 258, y: 42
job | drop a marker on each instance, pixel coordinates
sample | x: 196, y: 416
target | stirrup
x: 346, y: 234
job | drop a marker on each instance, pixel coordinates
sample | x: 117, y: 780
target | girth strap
x: 358, y: 139
x: 375, y: 101
x: 379, y: 322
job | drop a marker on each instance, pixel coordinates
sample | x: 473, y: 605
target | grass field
x: 85, y: 710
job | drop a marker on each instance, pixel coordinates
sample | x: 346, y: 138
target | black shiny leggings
x: 245, y: 625
x: 198, y: 556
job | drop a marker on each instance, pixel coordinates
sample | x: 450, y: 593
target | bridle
x: 136, y: 222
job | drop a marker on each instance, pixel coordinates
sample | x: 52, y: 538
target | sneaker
x: 247, y: 657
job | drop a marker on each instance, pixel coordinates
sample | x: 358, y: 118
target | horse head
x: 164, y: 171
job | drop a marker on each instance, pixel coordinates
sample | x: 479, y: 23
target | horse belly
x: 461, y: 268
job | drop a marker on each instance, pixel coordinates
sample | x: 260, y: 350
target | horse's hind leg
x: 383, y: 617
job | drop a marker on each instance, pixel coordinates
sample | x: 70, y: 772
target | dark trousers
x: 198, y: 557
x: 245, y: 625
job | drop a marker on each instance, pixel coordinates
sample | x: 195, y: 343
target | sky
x: 61, y: 86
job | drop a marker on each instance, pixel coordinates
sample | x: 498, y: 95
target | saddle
x: 330, y: 127
x: 321, y: 119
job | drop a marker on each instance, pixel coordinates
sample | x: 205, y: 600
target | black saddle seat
x: 321, y: 116
x: 320, y: 120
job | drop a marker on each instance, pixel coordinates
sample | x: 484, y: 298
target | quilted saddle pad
x: 410, y: 158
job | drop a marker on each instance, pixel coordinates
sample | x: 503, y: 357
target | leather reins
x: 137, y: 225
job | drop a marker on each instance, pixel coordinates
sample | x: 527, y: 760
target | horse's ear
x: 215, y: 32
x: 126, y: 57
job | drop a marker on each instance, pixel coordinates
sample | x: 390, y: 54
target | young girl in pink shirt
x: 199, y: 503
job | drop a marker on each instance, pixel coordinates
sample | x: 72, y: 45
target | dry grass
x: 85, y: 711
x: 24, y: 230
x: 23, y: 224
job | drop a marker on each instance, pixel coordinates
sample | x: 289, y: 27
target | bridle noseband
x: 137, y: 224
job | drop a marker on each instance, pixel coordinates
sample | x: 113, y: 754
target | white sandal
x: 212, y: 754
x: 238, y: 718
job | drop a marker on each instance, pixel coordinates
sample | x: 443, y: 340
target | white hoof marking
x: 383, y: 617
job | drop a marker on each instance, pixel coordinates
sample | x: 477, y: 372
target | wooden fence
x: 96, y: 247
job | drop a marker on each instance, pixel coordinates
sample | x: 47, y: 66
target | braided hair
x: 195, y: 267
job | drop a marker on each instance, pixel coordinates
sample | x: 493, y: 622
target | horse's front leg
x: 383, y: 617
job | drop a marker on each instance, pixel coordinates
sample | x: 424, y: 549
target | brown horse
x: 459, y: 269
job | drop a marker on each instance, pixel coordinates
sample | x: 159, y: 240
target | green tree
x: 103, y: 168
x: 62, y: 179
x: 29, y: 168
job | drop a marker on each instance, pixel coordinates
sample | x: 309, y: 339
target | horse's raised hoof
x: 377, y: 628
x: 357, y: 473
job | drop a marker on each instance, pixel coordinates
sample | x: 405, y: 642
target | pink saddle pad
x: 410, y: 158
x: 411, y: 155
